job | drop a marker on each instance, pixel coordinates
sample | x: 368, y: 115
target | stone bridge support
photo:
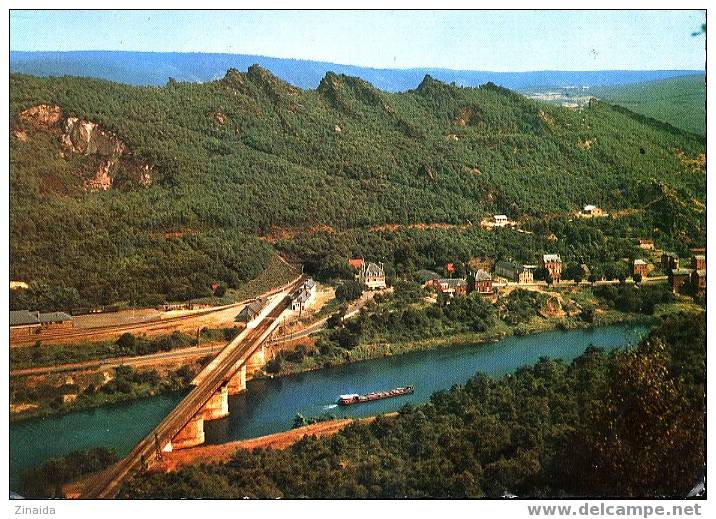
x: 218, y: 406
x: 237, y: 383
x: 193, y: 432
x: 257, y: 360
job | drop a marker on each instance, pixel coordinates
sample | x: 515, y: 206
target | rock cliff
x: 81, y: 137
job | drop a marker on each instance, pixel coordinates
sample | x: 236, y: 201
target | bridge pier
x: 237, y: 383
x: 193, y: 432
x: 257, y: 360
x: 218, y: 405
x: 190, y: 436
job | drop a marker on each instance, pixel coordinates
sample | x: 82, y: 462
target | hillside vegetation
x: 625, y: 424
x: 206, y: 169
x: 678, y: 101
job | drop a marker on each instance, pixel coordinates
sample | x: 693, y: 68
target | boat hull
x: 372, y: 397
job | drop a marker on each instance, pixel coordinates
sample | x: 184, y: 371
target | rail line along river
x: 270, y: 405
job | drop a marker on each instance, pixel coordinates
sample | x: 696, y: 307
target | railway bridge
x: 183, y: 427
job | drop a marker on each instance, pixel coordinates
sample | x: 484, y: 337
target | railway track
x: 168, y: 323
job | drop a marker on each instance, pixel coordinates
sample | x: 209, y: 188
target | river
x: 270, y: 405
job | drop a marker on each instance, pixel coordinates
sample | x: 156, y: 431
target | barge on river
x: 377, y: 395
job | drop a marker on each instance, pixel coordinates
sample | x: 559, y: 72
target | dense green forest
x: 680, y: 101
x: 625, y: 424
x: 251, y: 156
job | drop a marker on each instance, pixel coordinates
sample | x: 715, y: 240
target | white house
x: 501, y: 220
x: 303, y: 295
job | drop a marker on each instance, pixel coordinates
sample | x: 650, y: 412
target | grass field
x: 679, y: 101
x: 277, y: 273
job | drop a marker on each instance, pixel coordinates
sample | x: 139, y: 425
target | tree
x: 298, y: 421
x: 349, y: 291
x: 335, y: 320
x: 588, y: 313
x: 645, y: 435
x: 127, y: 341
x: 574, y: 272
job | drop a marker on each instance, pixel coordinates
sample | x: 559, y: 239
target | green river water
x: 270, y: 405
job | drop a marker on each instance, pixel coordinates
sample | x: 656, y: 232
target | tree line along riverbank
x: 404, y: 320
x: 534, y: 433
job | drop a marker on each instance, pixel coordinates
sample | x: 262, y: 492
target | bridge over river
x: 184, y: 425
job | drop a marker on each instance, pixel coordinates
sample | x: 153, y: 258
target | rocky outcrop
x: 552, y: 307
x: 87, y: 138
x: 83, y: 137
x: 42, y: 116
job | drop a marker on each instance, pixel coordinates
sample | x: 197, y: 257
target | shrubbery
x: 534, y: 433
x: 47, y: 479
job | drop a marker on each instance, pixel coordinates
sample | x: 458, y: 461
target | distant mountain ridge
x: 155, y: 68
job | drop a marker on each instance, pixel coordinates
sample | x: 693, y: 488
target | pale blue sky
x: 473, y: 40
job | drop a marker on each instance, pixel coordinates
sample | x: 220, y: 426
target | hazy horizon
x: 423, y: 67
x: 495, y: 41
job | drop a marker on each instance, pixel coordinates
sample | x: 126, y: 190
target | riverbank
x: 224, y: 452
x: 372, y: 351
x: 126, y: 386
x: 270, y: 406
x: 175, y: 382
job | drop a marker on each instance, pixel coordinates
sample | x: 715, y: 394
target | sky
x: 464, y: 40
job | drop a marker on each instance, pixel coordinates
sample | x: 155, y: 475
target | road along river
x: 270, y: 405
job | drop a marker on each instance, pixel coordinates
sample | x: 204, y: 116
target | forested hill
x: 680, y: 101
x: 158, y: 186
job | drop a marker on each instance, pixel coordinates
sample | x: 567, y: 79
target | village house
x: 449, y: 286
x: 669, y: 262
x: 302, y: 296
x: 501, y: 220
x: 646, y: 244
x: 592, y: 211
x: 424, y: 276
x: 372, y: 275
x: 449, y: 268
x: 698, y: 281
x: 482, y: 283
x: 552, y: 263
x: 640, y: 267
x: 356, y: 263
x: 679, y: 280
x: 698, y: 262
x: 515, y: 272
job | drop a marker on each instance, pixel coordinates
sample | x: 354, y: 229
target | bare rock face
x: 42, y: 116
x: 553, y: 307
x: 101, y: 181
x: 89, y: 139
x: 79, y: 136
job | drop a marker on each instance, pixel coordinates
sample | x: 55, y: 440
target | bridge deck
x: 107, y: 484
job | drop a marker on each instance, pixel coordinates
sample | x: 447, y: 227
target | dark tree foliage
x: 626, y: 424
x: 47, y: 479
x: 348, y: 291
x: 249, y: 155
x: 634, y: 299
